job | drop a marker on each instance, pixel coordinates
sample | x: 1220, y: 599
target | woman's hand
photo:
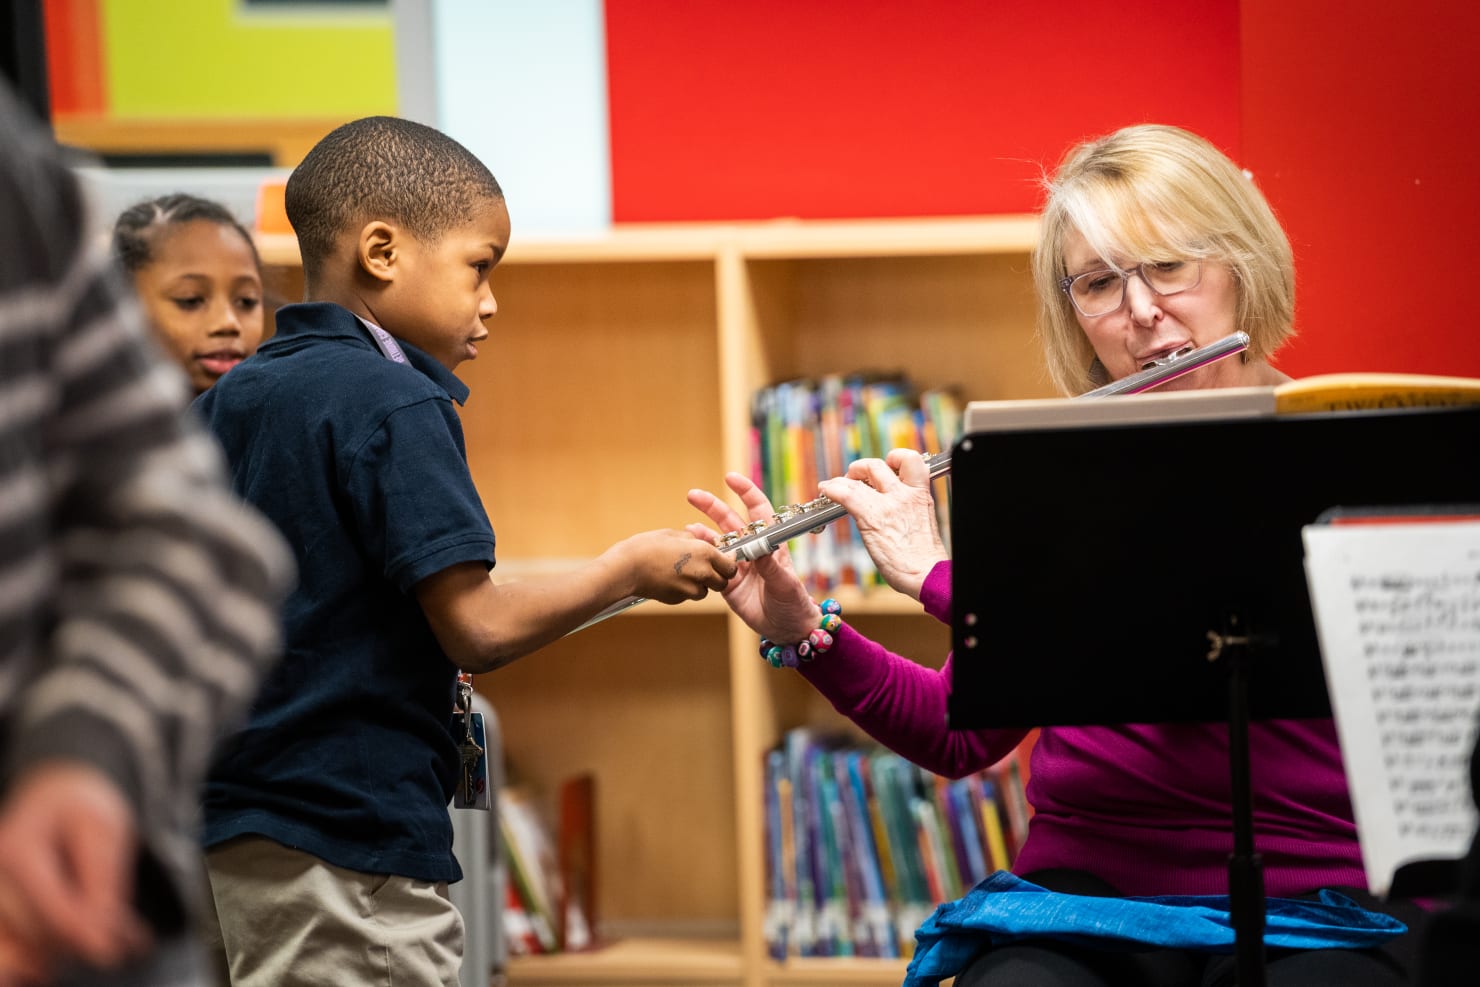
x: 889, y: 500
x: 766, y: 593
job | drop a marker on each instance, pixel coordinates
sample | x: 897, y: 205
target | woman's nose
x: 1143, y: 303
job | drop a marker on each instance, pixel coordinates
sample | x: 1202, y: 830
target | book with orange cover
x: 1356, y: 391
x: 576, y: 860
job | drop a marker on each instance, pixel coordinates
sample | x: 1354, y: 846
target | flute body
x: 761, y: 538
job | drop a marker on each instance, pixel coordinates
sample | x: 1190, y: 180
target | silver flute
x: 761, y: 538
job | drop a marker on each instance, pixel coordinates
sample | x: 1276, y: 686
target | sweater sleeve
x: 149, y: 603
x: 901, y: 703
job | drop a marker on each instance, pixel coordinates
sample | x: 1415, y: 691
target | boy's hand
x: 67, y: 852
x: 671, y: 566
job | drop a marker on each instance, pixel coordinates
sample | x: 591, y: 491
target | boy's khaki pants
x: 287, y: 919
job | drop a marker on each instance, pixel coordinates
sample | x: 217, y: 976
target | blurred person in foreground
x: 138, y: 606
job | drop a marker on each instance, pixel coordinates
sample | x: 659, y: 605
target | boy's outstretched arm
x: 482, y: 625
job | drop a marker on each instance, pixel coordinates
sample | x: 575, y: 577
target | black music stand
x: 1146, y: 573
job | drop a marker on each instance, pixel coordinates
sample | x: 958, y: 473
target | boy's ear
x: 378, y: 248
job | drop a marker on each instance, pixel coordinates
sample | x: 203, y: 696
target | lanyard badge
x: 472, y: 779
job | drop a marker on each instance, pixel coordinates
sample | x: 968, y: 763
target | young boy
x: 326, y: 818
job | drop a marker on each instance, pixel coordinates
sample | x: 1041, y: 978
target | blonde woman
x: 1152, y: 242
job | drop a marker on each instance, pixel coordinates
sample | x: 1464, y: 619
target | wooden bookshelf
x: 618, y: 376
x: 284, y: 141
x: 644, y: 961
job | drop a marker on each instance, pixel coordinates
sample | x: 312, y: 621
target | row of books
x: 805, y: 431
x: 861, y: 845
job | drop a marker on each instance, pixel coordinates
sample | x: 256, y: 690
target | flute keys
x: 731, y: 537
x: 786, y: 513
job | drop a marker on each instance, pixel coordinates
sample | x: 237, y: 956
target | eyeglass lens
x: 1101, y: 292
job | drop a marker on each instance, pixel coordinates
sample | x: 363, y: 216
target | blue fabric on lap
x: 1004, y: 908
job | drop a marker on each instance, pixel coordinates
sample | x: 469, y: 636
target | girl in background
x: 198, y: 278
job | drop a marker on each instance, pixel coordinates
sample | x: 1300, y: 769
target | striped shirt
x: 138, y: 597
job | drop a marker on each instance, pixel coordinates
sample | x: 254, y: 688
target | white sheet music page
x: 1397, y: 611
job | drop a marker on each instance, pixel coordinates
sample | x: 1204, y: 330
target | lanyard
x: 472, y: 753
x: 389, y: 348
x: 472, y: 784
x: 392, y: 351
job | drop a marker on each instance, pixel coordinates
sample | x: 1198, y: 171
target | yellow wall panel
x: 222, y: 58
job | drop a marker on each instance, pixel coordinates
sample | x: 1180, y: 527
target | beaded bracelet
x: 816, y: 643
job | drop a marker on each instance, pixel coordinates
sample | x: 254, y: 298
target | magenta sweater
x: 1145, y: 808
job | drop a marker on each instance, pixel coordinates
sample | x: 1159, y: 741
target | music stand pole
x: 1245, y: 866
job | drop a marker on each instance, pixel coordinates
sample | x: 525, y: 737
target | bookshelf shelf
x: 661, y: 961
x: 284, y: 140
x: 769, y: 239
x: 885, y: 237
x: 647, y: 961
x: 619, y: 376
x: 841, y: 972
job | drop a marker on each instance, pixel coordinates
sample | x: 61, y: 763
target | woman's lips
x: 1163, y: 357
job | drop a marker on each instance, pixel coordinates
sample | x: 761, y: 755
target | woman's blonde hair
x: 1153, y: 192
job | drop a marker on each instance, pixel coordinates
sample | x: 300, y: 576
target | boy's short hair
x: 383, y: 168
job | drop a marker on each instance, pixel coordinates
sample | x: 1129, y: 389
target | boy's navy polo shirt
x: 360, y: 462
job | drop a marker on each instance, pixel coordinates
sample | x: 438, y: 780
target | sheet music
x: 1397, y: 611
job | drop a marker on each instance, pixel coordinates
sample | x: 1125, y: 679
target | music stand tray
x: 1096, y: 568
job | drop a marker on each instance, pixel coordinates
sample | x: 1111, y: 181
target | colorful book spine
x: 779, y: 856
x: 991, y: 817
x: 1010, y: 775
x: 874, y: 911
x: 837, y: 899
x: 804, y: 917
x: 974, y: 858
x: 951, y: 832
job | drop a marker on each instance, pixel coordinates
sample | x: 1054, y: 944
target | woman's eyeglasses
x: 1096, y: 293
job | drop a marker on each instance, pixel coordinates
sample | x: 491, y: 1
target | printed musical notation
x: 1397, y: 608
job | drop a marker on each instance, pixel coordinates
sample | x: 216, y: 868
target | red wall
x: 837, y: 108
x: 1359, y: 119
x: 1353, y: 117
x: 74, y: 57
